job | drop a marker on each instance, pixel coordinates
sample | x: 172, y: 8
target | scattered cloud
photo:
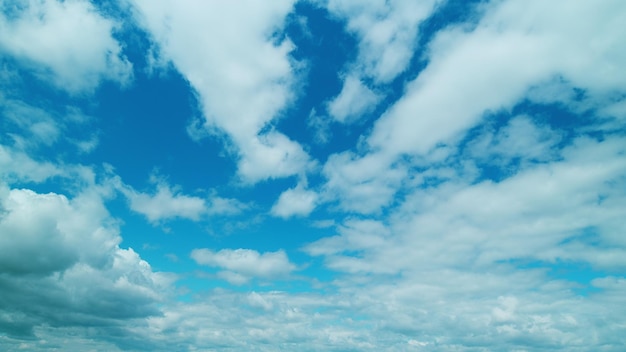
x: 354, y: 100
x: 69, y: 43
x: 387, y: 33
x: 243, y: 74
x: 481, y: 210
x: 295, y: 202
x: 241, y: 265
x: 63, y: 266
x: 165, y: 204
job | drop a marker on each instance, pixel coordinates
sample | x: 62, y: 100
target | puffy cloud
x: 66, y: 42
x: 464, y: 78
x: 545, y: 212
x: 387, y: 33
x: 63, y: 268
x: 489, y: 67
x: 361, y: 184
x: 243, y: 264
x: 354, y: 100
x: 295, y: 201
x: 241, y: 71
x: 165, y: 204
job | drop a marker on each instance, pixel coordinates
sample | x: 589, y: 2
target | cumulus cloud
x: 295, y: 202
x: 463, y: 80
x: 464, y: 77
x: 165, y: 204
x: 354, y: 100
x: 537, y: 214
x: 241, y: 265
x: 241, y: 71
x: 361, y: 184
x: 63, y: 266
x: 168, y: 202
x: 387, y: 33
x: 66, y: 42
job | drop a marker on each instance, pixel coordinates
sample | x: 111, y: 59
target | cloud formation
x: 481, y: 209
x: 68, y: 43
x: 241, y: 265
x: 242, y: 73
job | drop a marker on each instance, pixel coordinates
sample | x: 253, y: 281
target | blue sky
x: 312, y: 175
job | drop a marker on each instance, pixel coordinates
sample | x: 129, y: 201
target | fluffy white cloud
x: 240, y: 69
x: 242, y: 265
x: 354, y: 100
x: 464, y: 78
x: 387, y: 33
x: 295, y: 201
x: 67, y: 42
x: 361, y: 184
x: 62, y: 266
x: 565, y: 210
x: 165, y: 204
x: 168, y: 202
x: 490, y: 67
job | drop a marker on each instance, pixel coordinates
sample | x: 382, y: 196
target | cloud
x: 361, y: 184
x: 63, y: 266
x: 354, y: 100
x: 463, y: 82
x: 30, y: 127
x: 521, y: 139
x: 241, y: 265
x: 541, y: 213
x: 453, y: 92
x: 165, y: 204
x: 241, y: 71
x: 17, y: 165
x: 66, y: 42
x: 295, y: 202
x: 387, y: 33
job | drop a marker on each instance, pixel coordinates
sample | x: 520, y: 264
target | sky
x: 312, y: 175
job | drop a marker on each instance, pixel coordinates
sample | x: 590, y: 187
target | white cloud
x: 165, y: 204
x: 243, y: 76
x: 63, y: 266
x: 488, y: 68
x: 241, y: 265
x: 464, y: 78
x: 521, y: 138
x: 354, y: 100
x: 67, y: 42
x: 295, y: 202
x: 387, y: 33
x: 17, y: 165
x: 362, y: 184
x: 542, y: 213
x: 272, y: 155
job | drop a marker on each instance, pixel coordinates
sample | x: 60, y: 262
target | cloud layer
x: 471, y: 199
